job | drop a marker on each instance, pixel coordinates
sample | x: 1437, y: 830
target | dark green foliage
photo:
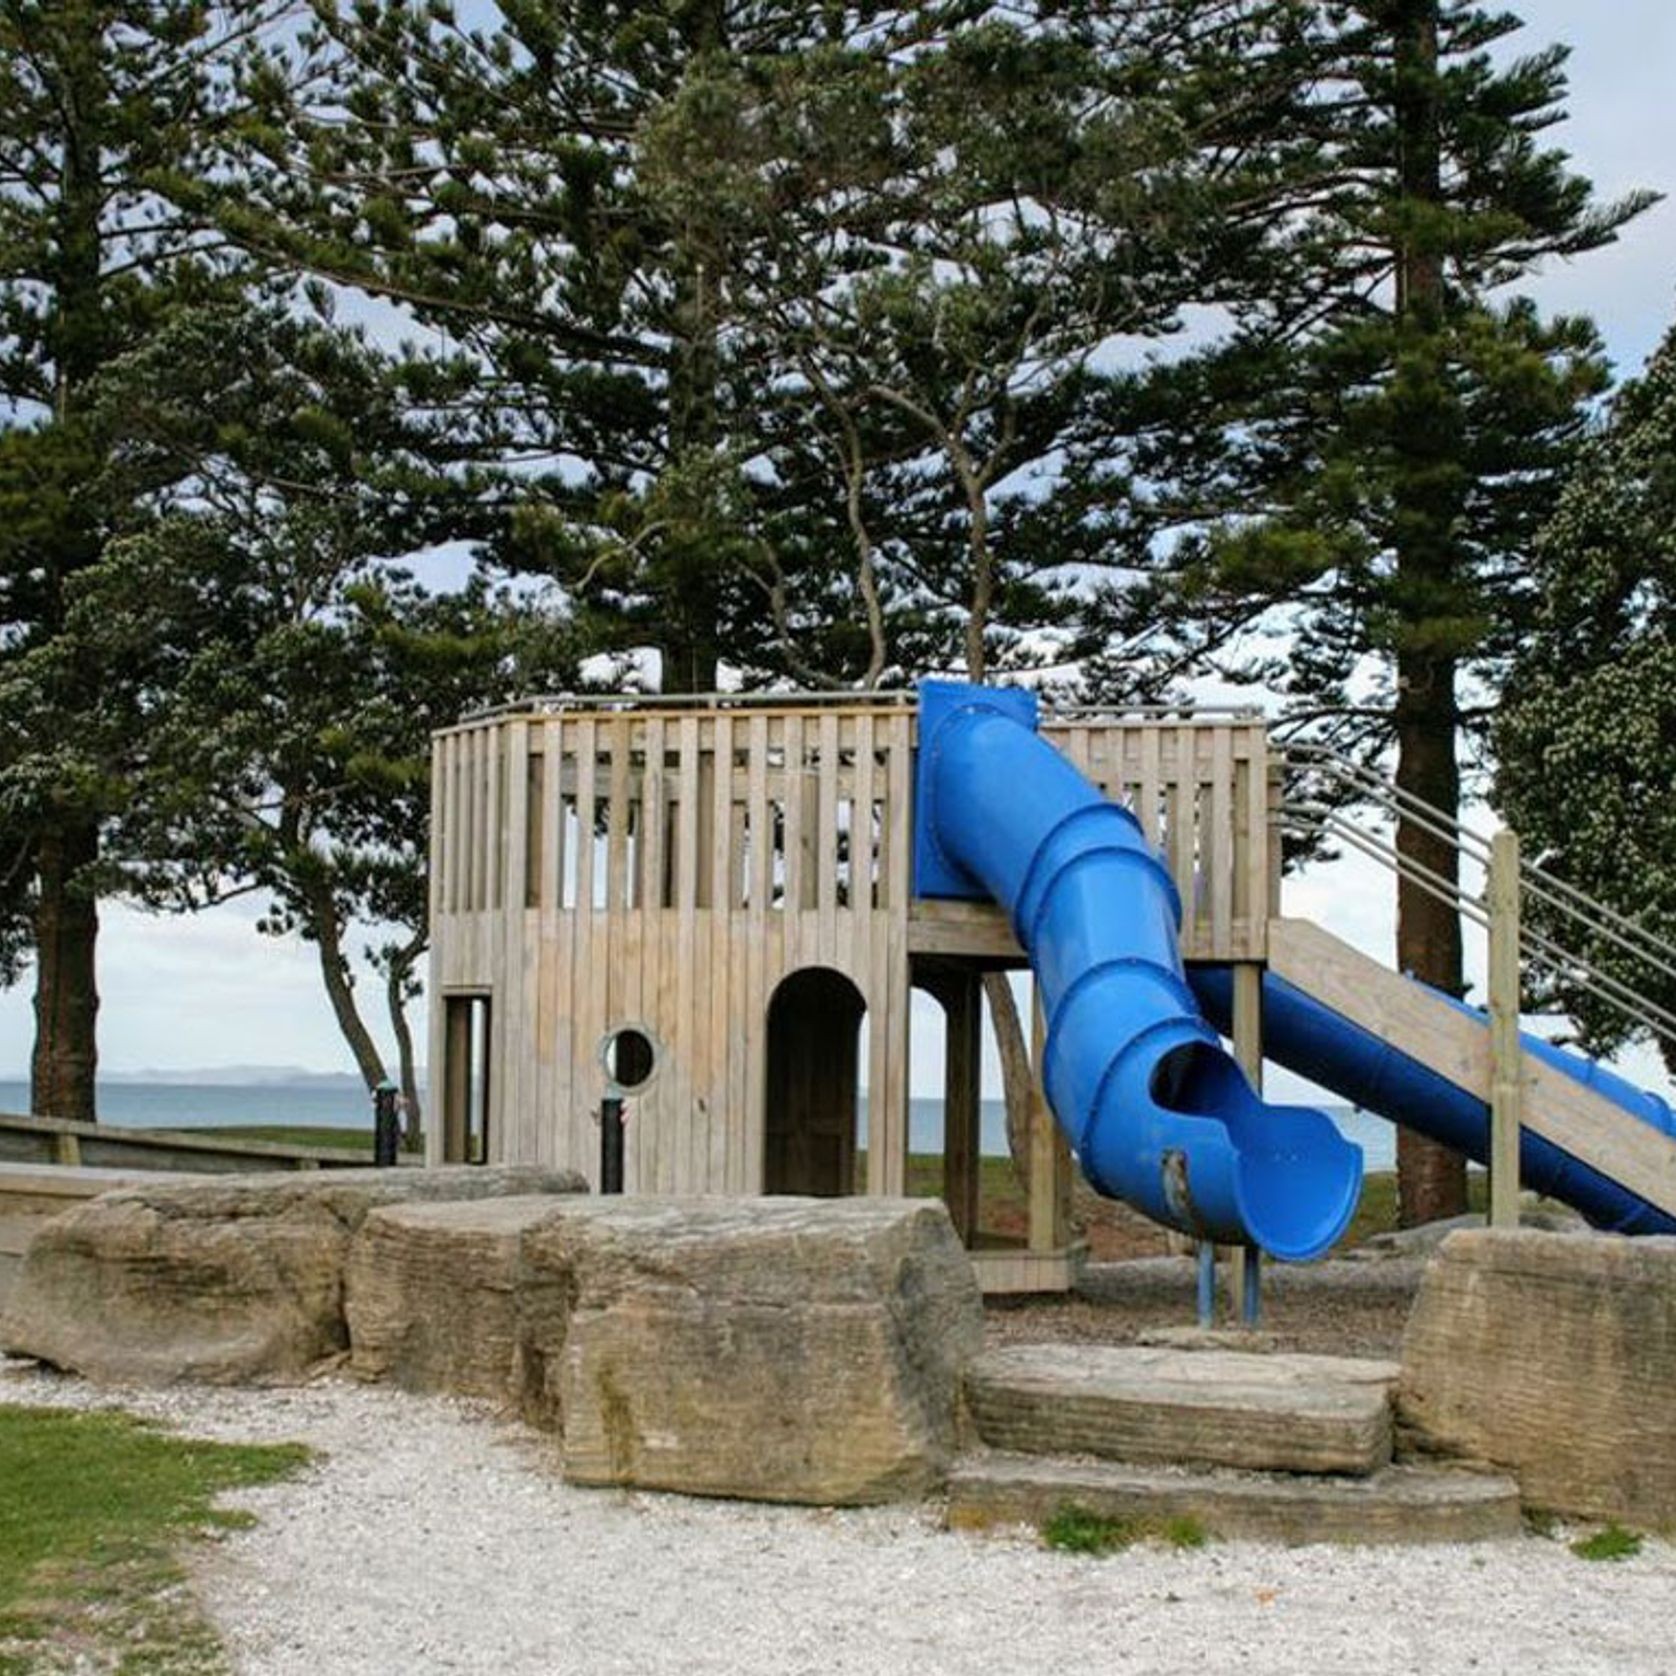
x: 1586, y: 741
x: 105, y: 107
x: 1359, y: 475
x: 1076, y: 1530
x: 1340, y: 504
x: 1611, y: 1542
x: 278, y: 674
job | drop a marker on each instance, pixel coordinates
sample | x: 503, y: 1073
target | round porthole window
x: 628, y: 1056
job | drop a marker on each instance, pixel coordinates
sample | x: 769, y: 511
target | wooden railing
x: 57, y: 1140
x: 635, y: 807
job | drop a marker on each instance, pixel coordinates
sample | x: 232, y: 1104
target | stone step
x: 1274, y: 1413
x: 1399, y: 1504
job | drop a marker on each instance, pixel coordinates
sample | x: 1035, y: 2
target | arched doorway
x: 814, y: 1038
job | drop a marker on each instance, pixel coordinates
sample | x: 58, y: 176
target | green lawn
x: 293, y: 1134
x: 94, y: 1511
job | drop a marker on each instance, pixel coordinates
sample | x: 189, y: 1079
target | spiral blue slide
x: 1156, y: 1110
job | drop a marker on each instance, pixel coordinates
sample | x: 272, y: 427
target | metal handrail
x: 1535, y: 879
x: 1307, y: 817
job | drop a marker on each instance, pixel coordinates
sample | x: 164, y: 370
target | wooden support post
x: 960, y: 995
x: 1506, y: 1053
x: 1050, y: 1157
x: 1244, y: 1281
x: 66, y: 1148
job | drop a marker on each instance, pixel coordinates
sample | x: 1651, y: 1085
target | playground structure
x: 702, y: 906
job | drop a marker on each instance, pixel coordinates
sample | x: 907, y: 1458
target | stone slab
x: 1394, y: 1505
x: 1552, y: 1356
x: 1273, y: 1412
x: 225, y: 1280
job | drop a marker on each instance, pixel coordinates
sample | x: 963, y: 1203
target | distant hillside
x: 242, y: 1076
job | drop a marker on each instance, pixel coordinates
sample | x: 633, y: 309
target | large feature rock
x: 230, y: 1280
x: 776, y: 1349
x: 439, y: 1298
x: 1554, y: 1356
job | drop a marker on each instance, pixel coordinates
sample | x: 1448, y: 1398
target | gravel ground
x: 431, y: 1537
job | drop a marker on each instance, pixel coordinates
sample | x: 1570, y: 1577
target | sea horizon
x: 337, y: 1101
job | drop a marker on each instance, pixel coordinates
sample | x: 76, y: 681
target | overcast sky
x: 208, y: 991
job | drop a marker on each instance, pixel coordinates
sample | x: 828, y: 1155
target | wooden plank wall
x: 1200, y: 790
x: 665, y: 870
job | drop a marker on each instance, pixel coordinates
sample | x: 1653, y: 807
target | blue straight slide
x: 1156, y: 1110
x: 1316, y: 1042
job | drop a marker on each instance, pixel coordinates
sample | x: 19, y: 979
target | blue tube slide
x: 1156, y: 1110
x: 1316, y: 1042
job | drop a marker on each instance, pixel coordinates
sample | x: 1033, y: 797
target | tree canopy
x: 1586, y: 740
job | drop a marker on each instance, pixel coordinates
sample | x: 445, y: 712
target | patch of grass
x: 292, y: 1134
x: 95, y: 1506
x: 1077, y: 1530
x: 1611, y: 1542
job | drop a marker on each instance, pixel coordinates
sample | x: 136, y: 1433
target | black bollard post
x: 611, y: 1144
x: 386, y: 1129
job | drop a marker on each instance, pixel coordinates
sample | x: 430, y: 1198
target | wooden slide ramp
x: 1457, y: 1047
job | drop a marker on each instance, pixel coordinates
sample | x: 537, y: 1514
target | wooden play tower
x: 706, y: 904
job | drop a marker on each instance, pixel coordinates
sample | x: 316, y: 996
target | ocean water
x: 328, y: 1104
x: 342, y: 1104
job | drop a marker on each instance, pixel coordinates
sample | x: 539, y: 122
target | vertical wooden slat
x: 753, y: 1005
x: 794, y: 841
x: 448, y: 855
x: 826, y: 841
x: 715, y: 1164
x: 510, y: 1018
x: 617, y: 743
x: 675, y: 1143
x: 652, y: 1109
x: 474, y: 777
x: 436, y: 869
x: 1255, y: 863
x: 1147, y: 793
x: 1219, y: 857
x: 551, y: 859
x: 893, y: 1141
x: 654, y: 813
x: 1183, y: 812
x: 586, y: 963
x: 500, y: 828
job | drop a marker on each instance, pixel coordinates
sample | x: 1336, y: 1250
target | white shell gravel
x: 431, y: 1536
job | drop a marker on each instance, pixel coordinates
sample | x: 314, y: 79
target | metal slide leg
x: 1207, y: 1283
x: 1253, y: 1285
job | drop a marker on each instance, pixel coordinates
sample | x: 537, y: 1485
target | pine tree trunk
x: 407, y: 1069
x: 1431, y: 1179
x: 327, y: 931
x: 65, y: 1061
x: 689, y: 646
